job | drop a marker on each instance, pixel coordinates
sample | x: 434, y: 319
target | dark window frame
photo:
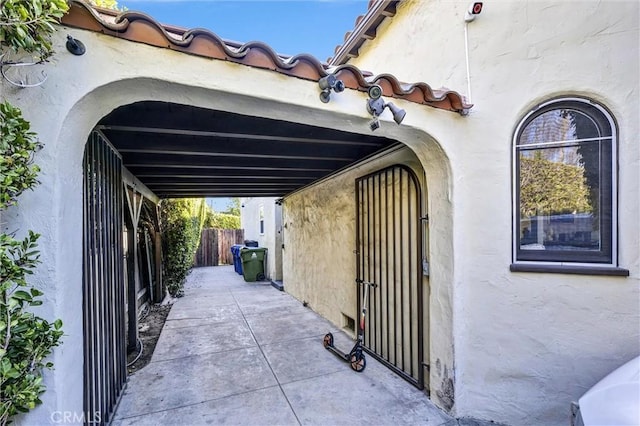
x: 604, y: 121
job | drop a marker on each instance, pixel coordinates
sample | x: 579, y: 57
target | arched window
x: 565, y: 185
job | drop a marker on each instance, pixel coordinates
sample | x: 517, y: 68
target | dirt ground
x: 149, y: 327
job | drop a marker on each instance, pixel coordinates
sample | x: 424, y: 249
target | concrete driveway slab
x: 184, y: 342
x: 205, y: 317
x: 352, y: 398
x: 233, y: 352
x: 301, y: 359
x: 278, y: 328
x: 164, y: 385
x: 262, y: 407
x: 268, y: 305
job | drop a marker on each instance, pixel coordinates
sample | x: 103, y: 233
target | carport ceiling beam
x: 233, y: 155
x: 249, y: 168
x: 204, y: 133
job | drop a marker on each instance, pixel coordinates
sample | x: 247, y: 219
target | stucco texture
x: 526, y: 344
x: 80, y: 91
x: 510, y: 347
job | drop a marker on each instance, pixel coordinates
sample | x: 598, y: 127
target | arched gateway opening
x: 146, y: 151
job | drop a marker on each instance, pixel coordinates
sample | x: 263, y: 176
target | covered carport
x: 186, y: 151
x: 168, y: 150
x: 201, y: 117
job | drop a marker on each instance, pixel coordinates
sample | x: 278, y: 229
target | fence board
x: 215, y: 246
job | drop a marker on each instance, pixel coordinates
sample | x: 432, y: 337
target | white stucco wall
x: 522, y: 345
x: 250, y: 222
x: 113, y: 72
x: 526, y: 344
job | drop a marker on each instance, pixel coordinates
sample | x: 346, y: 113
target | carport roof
x: 186, y: 151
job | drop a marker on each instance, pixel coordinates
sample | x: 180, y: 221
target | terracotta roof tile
x: 365, y: 28
x: 139, y: 27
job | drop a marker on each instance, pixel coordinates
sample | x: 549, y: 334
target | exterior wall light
x: 75, y: 46
x: 376, y: 106
x: 328, y: 83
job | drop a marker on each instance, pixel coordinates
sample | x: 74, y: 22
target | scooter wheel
x: 358, y: 361
x: 328, y: 340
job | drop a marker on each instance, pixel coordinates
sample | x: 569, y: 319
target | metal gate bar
x: 389, y: 247
x: 105, y: 369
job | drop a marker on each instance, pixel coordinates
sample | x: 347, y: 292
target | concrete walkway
x: 242, y: 353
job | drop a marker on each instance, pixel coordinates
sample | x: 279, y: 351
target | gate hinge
x: 425, y: 218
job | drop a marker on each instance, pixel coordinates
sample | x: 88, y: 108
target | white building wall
x: 526, y: 344
x: 521, y: 345
x: 250, y: 216
x: 77, y: 94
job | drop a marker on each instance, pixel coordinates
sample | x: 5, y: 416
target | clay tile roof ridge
x: 140, y: 27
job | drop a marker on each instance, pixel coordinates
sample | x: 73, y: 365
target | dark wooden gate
x: 215, y: 246
x: 389, y: 248
x: 105, y: 369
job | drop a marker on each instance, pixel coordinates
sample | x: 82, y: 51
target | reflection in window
x: 564, y: 178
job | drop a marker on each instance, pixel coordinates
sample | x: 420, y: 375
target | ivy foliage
x: 221, y: 220
x: 181, y: 222
x: 27, y: 25
x: 17, y: 145
x: 25, y: 339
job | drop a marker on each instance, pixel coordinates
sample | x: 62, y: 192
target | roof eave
x: 366, y: 27
x: 141, y: 28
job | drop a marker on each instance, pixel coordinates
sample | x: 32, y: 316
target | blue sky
x: 289, y: 26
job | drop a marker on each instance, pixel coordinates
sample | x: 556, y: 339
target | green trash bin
x: 253, y: 263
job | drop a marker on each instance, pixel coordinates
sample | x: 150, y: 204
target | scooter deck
x: 355, y: 357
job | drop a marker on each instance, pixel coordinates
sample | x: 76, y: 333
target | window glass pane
x: 560, y: 197
x: 559, y: 125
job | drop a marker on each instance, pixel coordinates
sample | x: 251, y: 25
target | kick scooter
x: 355, y: 357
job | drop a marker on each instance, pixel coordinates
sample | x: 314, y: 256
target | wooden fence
x: 215, y: 246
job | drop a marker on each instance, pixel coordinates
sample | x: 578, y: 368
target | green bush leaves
x: 181, y: 222
x: 17, y: 147
x: 28, y: 25
x: 25, y: 339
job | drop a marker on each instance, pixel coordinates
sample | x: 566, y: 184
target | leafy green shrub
x: 17, y: 145
x: 221, y: 220
x: 181, y: 222
x: 28, y: 25
x: 25, y: 339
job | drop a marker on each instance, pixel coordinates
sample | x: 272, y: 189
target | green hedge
x: 181, y: 221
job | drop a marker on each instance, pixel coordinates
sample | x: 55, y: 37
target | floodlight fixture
x: 376, y: 106
x: 327, y: 84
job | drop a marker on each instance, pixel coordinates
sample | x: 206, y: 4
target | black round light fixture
x: 75, y: 46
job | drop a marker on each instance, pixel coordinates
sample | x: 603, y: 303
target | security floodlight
x: 327, y: 84
x: 398, y: 113
x: 376, y: 106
